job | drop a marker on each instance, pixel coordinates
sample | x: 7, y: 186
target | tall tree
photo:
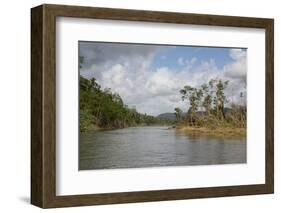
x: 194, y: 96
x: 207, y: 90
x: 220, y: 98
x: 178, y: 114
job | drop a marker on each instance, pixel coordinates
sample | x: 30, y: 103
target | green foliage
x: 85, y: 120
x: 178, y: 114
x: 105, y: 109
x: 220, y: 98
x: 194, y: 96
x: 211, y: 97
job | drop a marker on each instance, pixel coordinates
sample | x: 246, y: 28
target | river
x: 155, y: 146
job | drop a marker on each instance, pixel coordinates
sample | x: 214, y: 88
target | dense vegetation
x: 207, y: 107
x: 104, y: 109
x: 101, y: 108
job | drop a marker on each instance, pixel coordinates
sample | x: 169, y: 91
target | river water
x: 155, y: 146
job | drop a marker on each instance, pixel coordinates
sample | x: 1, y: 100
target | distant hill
x: 168, y: 115
x: 172, y: 117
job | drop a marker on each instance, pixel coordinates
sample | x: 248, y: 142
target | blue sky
x: 149, y: 77
x: 168, y: 56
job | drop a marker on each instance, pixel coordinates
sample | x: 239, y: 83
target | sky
x: 149, y: 77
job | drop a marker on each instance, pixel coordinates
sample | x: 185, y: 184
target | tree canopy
x: 206, y: 106
x: 106, y: 109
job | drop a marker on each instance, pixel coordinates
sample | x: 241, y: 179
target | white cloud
x: 187, y: 62
x: 162, y: 82
x: 157, y: 91
x: 237, y: 54
x: 236, y: 73
x: 193, y: 60
x: 180, y: 61
x: 237, y: 69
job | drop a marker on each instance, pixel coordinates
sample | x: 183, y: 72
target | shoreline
x: 220, y: 131
x: 93, y: 128
x: 204, y: 131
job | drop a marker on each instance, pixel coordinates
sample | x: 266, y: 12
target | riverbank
x: 93, y: 128
x: 219, y: 131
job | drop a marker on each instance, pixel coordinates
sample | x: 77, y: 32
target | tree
x: 207, y: 90
x: 194, y: 96
x: 81, y: 61
x: 178, y: 114
x: 212, y: 98
x: 106, y: 109
x: 220, y: 98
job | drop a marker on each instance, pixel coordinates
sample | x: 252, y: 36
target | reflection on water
x: 138, y: 147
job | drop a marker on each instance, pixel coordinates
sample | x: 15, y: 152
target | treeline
x: 207, y: 106
x: 104, y: 109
